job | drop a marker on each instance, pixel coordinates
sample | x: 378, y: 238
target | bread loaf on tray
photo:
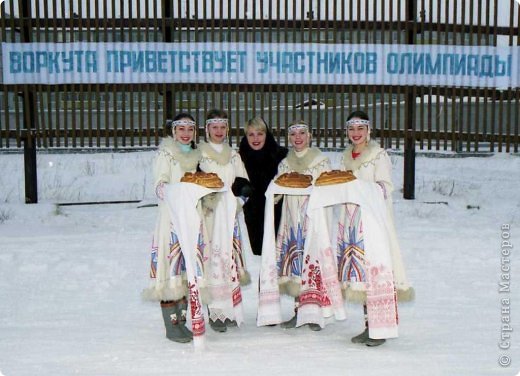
x: 294, y: 180
x: 205, y: 179
x: 335, y: 177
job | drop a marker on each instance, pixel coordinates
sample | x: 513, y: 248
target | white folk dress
x: 225, y: 237
x: 167, y: 266
x: 290, y: 239
x: 373, y: 165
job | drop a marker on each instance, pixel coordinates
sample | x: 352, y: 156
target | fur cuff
x: 407, y: 295
x: 169, y: 290
x: 244, y: 277
x: 354, y: 296
x: 290, y: 286
x: 359, y: 296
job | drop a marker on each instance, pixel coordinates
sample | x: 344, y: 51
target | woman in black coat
x: 261, y: 155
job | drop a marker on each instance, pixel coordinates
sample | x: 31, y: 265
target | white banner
x: 261, y: 63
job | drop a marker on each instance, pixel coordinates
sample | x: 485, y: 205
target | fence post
x: 168, y: 38
x: 409, y: 146
x: 29, y: 111
x: 29, y: 147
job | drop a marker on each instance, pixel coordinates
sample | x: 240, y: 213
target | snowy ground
x: 71, y: 277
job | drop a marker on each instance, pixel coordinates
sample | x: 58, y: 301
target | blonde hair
x: 257, y: 123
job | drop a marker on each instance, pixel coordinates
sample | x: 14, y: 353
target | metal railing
x: 120, y: 116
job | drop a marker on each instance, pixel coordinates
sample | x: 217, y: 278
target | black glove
x: 242, y: 187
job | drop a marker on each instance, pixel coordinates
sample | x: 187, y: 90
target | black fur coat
x: 261, y: 166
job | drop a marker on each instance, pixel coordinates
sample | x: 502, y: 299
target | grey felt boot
x: 361, y: 338
x: 372, y: 342
x: 182, y: 311
x: 315, y: 327
x: 171, y: 323
x: 291, y: 323
x: 364, y: 338
x: 218, y: 325
x: 230, y: 323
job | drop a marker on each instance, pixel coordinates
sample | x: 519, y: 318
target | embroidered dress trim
x: 171, y: 149
x: 222, y: 158
x: 159, y: 191
x: 302, y: 164
x: 368, y: 157
x: 383, y: 188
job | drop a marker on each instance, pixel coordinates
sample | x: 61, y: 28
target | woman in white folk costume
x: 176, y: 155
x: 368, y: 162
x: 225, y: 246
x: 290, y: 240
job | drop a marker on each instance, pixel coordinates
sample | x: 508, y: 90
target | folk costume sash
x: 186, y: 221
x: 380, y: 289
x: 269, y: 309
x: 223, y: 276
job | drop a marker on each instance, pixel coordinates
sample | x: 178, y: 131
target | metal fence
x: 118, y: 116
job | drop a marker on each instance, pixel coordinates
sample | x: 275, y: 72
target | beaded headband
x: 187, y: 122
x: 357, y: 122
x: 298, y: 126
x: 216, y: 120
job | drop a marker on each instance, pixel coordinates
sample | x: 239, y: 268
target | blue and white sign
x: 255, y: 63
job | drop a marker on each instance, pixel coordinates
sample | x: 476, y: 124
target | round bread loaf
x: 335, y: 177
x: 205, y: 179
x: 294, y: 180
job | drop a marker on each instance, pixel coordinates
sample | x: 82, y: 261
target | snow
x: 71, y: 277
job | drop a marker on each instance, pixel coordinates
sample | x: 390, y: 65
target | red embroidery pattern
x: 381, y: 298
x: 237, y: 296
x: 197, y: 318
x: 313, y: 291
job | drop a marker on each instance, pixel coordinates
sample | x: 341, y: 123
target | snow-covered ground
x: 71, y: 277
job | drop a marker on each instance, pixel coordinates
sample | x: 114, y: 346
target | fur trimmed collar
x: 222, y: 158
x: 300, y: 164
x: 371, y: 153
x: 187, y: 160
